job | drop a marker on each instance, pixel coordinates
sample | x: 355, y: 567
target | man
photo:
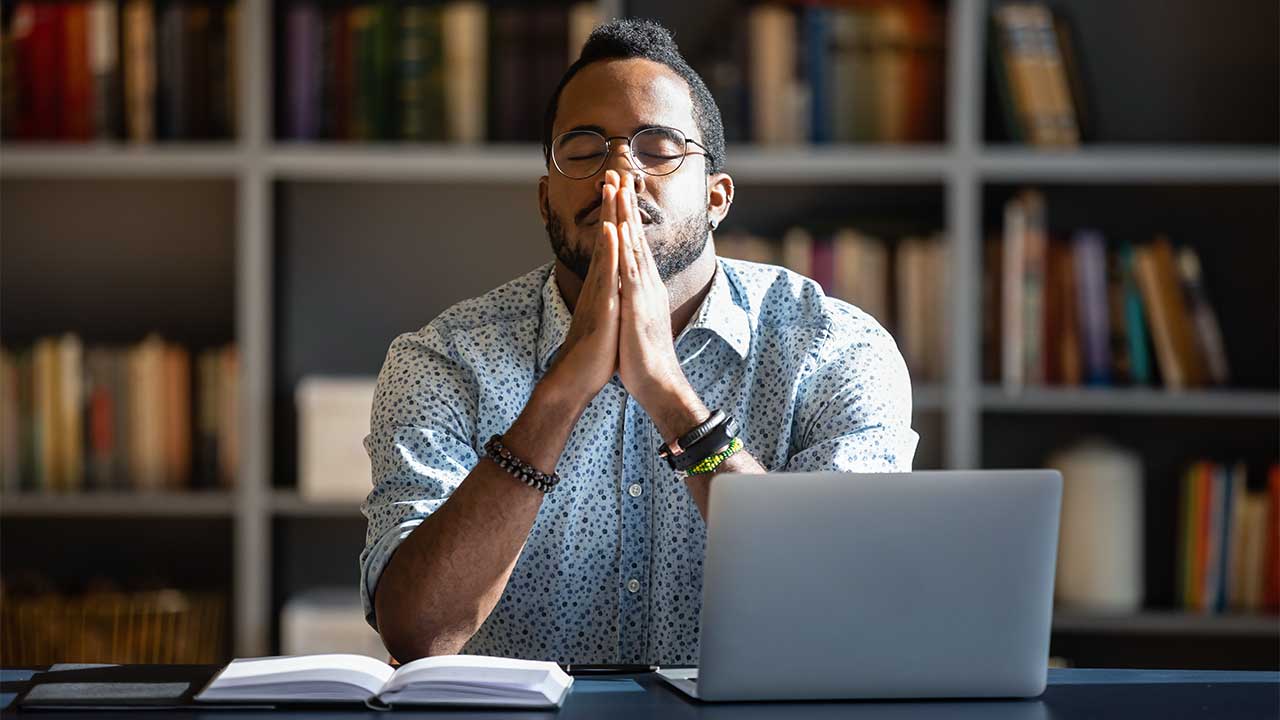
x: 630, y: 340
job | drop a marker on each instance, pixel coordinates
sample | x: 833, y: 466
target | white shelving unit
x: 119, y: 504
x: 1166, y: 623
x: 961, y: 167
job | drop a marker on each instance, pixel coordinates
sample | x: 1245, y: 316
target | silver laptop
x: 843, y: 586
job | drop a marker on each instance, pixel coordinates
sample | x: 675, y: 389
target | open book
x: 443, y: 680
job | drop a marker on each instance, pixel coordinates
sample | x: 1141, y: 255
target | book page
x: 283, y: 676
x: 470, y: 670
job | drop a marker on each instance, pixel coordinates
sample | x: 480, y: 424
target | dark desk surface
x: 1099, y: 694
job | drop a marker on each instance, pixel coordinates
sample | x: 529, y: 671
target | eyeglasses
x: 579, y: 154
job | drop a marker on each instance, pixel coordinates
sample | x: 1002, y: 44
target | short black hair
x: 638, y: 38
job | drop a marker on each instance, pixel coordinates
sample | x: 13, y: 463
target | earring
x: 713, y: 224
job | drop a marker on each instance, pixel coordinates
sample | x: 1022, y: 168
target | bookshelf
x: 212, y: 504
x: 291, y: 201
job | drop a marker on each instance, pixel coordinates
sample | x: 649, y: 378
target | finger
x: 607, y: 257
x: 646, y: 252
x: 600, y: 247
x: 635, y: 212
x: 626, y: 204
x: 636, y: 246
x: 608, y: 200
x: 628, y: 269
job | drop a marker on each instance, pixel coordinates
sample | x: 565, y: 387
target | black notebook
x: 71, y: 686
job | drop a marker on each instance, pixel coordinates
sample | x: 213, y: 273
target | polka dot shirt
x: 612, y: 571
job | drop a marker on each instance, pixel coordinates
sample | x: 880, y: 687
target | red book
x: 823, y: 266
x: 1204, y: 498
x: 77, y: 81
x: 1271, y: 582
x: 40, y: 60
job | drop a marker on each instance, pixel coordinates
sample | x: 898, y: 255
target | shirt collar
x: 719, y: 313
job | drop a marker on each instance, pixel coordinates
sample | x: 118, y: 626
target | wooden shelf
x: 117, y: 160
x: 1134, y: 401
x: 118, y: 504
x: 1167, y: 622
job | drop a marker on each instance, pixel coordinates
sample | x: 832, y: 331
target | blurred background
x: 216, y: 214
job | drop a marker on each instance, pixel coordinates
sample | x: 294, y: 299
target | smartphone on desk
x: 588, y: 670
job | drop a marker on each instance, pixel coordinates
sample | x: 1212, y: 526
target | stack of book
x: 1228, y: 558
x: 902, y: 286
x: 1037, y: 75
x: 828, y: 72
x: 140, y: 69
x: 1080, y: 312
x: 117, y: 418
x: 458, y: 71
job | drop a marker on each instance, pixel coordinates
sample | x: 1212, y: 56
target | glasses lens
x: 580, y: 153
x: 659, y: 151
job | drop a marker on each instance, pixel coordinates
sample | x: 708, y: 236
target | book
x: 173, y: 91
x: 1012, y: 290
x: 139, y: 69
x: 466, y: 58
x: 1089, y: 254
x: 772, y: 73
x: 1206, y: 332
x: 511, y: 36
x: 1270, y: 576
x: 76, y: 101
x: 421, y: 63
x: 1136, y: 328
x: 103, y: 53
x: 303, y: 26
x: 1035, y: 75
x: 444, y: 680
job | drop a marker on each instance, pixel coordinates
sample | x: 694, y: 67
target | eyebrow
x: 602, y: 131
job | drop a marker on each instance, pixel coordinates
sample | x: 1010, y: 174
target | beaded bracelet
x: 521, y: 470
x: 711, y: 462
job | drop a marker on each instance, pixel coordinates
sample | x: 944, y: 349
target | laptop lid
x: 908, y: 585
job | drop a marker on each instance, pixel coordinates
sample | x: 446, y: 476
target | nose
x: 619, y: 160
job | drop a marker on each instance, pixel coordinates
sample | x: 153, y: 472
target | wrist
x: 539, y: 434
x: 676, y: 411
x: 557, y: 390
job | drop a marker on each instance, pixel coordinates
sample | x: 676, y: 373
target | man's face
x: 617, y: 98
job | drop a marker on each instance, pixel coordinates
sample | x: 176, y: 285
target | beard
x: 683, y: 243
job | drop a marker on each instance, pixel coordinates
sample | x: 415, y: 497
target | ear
x: 719, y: 197
x: 542, y: 199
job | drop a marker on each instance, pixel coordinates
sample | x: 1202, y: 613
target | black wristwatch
x: 701, y: 442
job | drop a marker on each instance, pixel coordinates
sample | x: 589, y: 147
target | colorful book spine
x: 104, y: 62
x: 1089, y: 254
x: 139, y: 69
x: 816, y: 25
x: 302, y: 71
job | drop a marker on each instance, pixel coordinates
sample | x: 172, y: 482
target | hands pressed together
x: 622, y: 319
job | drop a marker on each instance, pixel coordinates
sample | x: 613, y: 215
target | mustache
x: 654, y: 213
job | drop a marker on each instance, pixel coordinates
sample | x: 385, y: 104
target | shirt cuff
x: 374, y: 559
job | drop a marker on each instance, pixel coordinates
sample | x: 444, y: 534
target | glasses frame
x: 608, y: 145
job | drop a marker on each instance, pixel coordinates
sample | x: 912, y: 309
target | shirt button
x: 633, y: 585
x: 635, y: 490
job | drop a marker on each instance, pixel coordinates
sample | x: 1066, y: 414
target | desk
x: 1099, y: 694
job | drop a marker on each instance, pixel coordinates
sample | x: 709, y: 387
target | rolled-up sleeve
x: 853, y: 410
x: 419, y: 444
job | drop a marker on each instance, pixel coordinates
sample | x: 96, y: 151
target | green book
x: 421, y: 74
x: 372, y: 40
x: 1139, y: 355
